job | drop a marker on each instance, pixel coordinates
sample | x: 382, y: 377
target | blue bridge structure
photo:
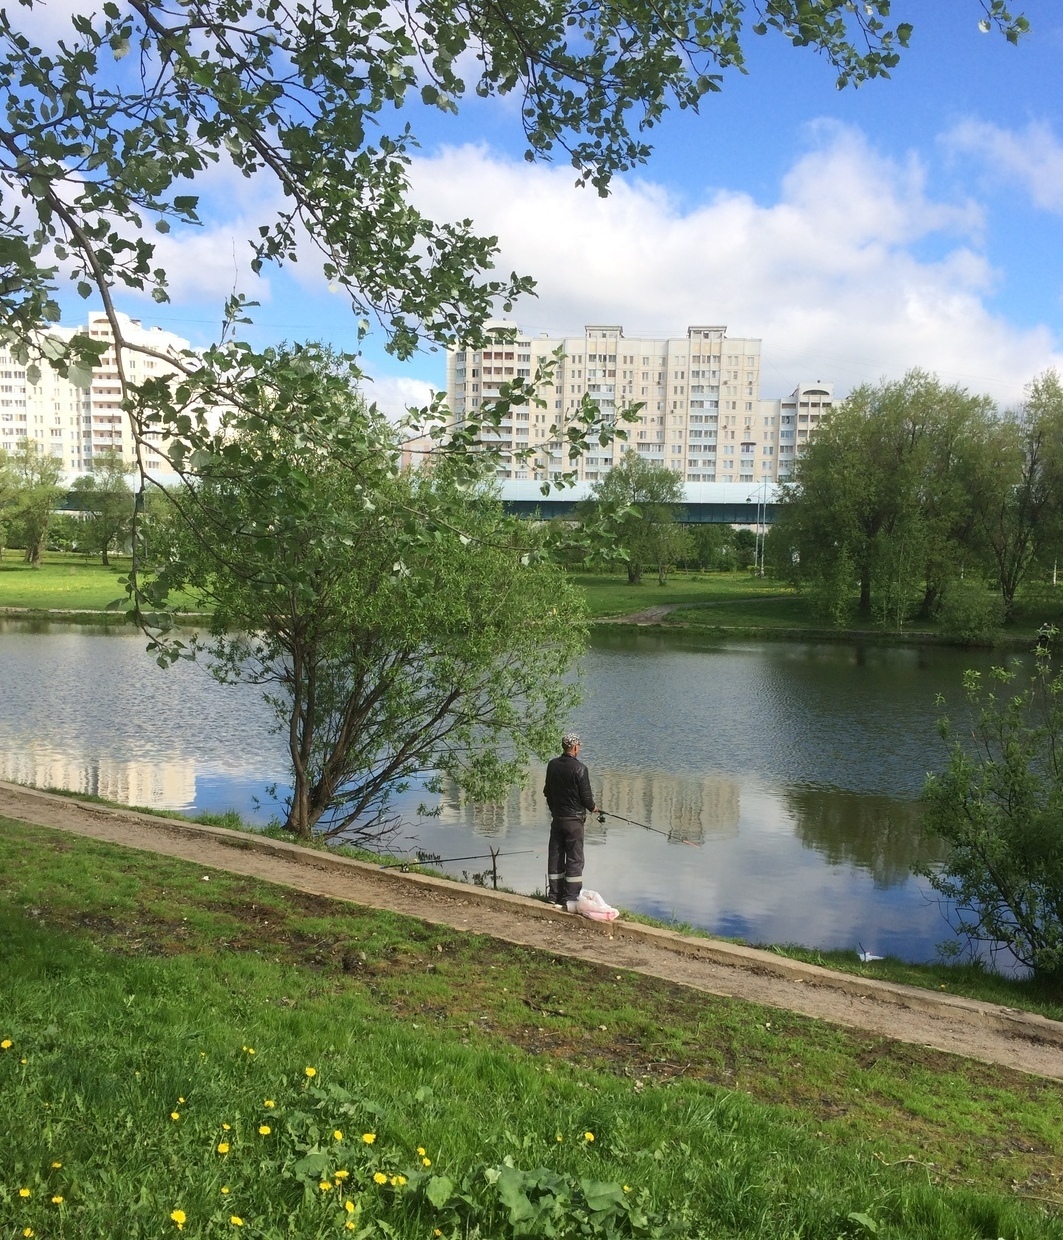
x: 718, y: 503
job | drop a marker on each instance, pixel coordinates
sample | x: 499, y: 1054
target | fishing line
x: 433, y: 860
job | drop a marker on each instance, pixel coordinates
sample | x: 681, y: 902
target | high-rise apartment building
x: 74, y: 423
x: 702, y: 414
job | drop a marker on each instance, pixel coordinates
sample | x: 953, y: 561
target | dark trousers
x: 565, y: 859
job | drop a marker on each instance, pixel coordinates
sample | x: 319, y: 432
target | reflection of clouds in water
x: 169, y: 785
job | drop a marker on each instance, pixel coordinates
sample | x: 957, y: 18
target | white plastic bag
x: 590, y: 904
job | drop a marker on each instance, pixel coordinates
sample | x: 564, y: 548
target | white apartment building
x: 74, y: 423
x: 701, y: 414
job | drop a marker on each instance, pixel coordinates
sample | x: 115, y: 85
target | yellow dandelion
x: 225, y: 1127
x: 588, y: 1136
x: 426, y: 1162
x: 6, y: 1044
x: 559, y: 1137
x: 26, y: 1061
x: 310, y: 1071
x: 236, y: 1220
x: 223, y: 1147
x: 179, y: 1217
x: 627, y: 1188
x: 57, y: 1200
x: 325, y: 1186
x: 379, y: 1177
x: 180, y: 1100
x: 269, y: 1103
x: 349, y: 1225
x: 250, y: 1050
x: 369, y: 1137
x: 28, y: 1231
x: 341, y: 1175
x: 421, y: 1150
x: 264, y: 1130
x: 350, y: 1207
x: 57, y: 1164
x: 23, y: 1192
x: 397, y: 1181
x: 175, y: 1115
x: 337, y: 1135
x: 225, y: 1188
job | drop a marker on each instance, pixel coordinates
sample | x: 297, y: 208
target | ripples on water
x: 790, y: 770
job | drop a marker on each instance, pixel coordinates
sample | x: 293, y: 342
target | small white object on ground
x: 590, y: 904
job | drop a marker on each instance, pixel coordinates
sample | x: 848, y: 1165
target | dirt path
x: 962, y: 1026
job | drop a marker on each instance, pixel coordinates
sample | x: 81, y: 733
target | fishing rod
x: 433, y: 860
x: 603, y: 814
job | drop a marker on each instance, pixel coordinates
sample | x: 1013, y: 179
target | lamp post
x: 761, y: 495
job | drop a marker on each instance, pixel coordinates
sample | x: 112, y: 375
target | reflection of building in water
x: 689, y: 807
x: 162, y: 785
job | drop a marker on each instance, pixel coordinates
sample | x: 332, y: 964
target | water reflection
x: 779, y: 779
x: 877, y: 834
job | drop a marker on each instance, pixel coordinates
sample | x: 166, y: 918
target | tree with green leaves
x: 104, y: 494
x: 998, y: 806
x: 636, y: 502
x: 880, y: 508
x: 402, y: 627
x: 30, y: 493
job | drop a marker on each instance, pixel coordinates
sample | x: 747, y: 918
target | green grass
x: 134, y: 991
x: 65, y: 582
x: 609, y: 595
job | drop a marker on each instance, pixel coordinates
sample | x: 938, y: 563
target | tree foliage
x: 105, y: 496
x: 636, y: 504
x: 911, y: 485
x: 29, y: 493
x: 401, y: 626
x: 999, y: 806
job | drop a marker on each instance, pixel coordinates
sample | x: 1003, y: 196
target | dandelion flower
x: 350, y: 1207
x: 426, y: 1162
x: 349, y: 1225
x: 225, y: 1188
x: 627, y: 1188
x: 379, y: 1177
x: 264, y: 1130
x: 28, y: 1231
x: 225, y: 1127
x: 6, y: 1044
x: 236, y: 1220
x: 179, y: 1217
x: 57, y: 1164
x: 57, y: 1200
x: 398, y: 1181
x: 559, y: 1137
x: 337, y: 1135
x: 341, y: 1175
x: 180, y: 1100
x: 310, y: 1071
x: 223, y: 1147
x: 175, y: 1115
x: 325, y: 1186
x: 25, y: 1061
x: 588, y: 1136
x: 369, y: 1137
x: 269, y: 1103
x: 23, y: 1192
x: 421, y: 1150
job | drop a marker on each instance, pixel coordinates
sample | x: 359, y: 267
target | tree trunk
x: 865, y: 591
x: 634, y: 574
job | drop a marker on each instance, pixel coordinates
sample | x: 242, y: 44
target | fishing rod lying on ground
x: 426, y: 858
x: 603, y: 814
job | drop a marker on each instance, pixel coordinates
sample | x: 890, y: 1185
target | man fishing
x: 568, y: 794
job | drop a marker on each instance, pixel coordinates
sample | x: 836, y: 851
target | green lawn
x: 64, y: 582
x: 610, y: 594
x: 189, y: 1053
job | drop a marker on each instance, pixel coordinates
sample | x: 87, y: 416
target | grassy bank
x: 160, y: 1021
x: 63, y: 582
x: 743, y: 603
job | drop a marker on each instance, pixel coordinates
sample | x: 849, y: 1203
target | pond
x: 780, y: 780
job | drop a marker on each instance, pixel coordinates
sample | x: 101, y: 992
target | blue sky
x: 913, y: 222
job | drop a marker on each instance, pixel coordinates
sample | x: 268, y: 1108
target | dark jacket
x: 568, y: 787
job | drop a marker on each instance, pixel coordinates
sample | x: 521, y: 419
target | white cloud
x: 1032, y: 157
x: 394, y: 394
x: 833, y: 275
